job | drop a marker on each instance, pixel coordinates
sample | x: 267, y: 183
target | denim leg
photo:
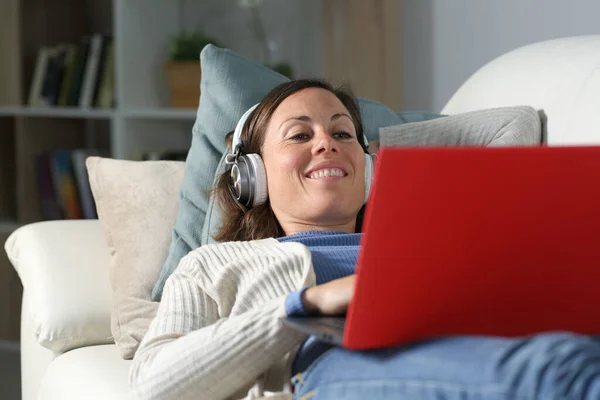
x: 548, y: 366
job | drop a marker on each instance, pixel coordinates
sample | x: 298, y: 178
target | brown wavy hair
x: 241, y: 224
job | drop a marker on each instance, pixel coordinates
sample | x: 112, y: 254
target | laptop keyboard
x: 334, y: 323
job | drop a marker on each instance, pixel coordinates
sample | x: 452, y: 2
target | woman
x: 218, y: 334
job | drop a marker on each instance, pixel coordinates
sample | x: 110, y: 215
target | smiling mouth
x: 327, y: 173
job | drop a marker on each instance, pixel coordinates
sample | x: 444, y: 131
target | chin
x: 333, y: 210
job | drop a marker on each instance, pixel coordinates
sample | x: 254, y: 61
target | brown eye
x: 343, y: 135
x: 300, y: 137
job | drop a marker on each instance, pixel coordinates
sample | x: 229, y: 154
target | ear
x: 373, y: 146
x: 229, y: 140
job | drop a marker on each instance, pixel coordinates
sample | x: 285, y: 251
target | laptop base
x: 326, y: 329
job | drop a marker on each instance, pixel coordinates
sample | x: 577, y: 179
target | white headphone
x: 248, y: 178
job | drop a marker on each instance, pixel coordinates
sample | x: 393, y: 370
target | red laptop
x: 490, y: 241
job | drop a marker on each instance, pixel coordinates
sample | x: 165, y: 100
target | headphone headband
x: 237, y: 134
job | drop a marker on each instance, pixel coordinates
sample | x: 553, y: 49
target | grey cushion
x: 506, y: 126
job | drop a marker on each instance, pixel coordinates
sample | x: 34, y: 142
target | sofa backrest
x: 559, y: 77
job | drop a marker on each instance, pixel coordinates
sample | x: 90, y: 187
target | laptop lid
x: 495, y: 241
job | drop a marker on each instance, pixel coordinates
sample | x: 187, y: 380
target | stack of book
x: 164, y: 155
x: 75, y: 75
x: 63, y: 184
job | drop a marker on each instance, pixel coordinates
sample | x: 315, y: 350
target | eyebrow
x: 306, y: 118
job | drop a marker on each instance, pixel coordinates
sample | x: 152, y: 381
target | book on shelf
x: 51, y: 209
x: 63, y: 184
x: 69, y: 68
x: 63, y: 178
x: 91, y: 71
x: 88, y: 206
x: 35, y: 89
x: 107, y: 84
x: 75, y: 74
x: 53, y: 77
x: 164, y: 155
x: 83, y: 50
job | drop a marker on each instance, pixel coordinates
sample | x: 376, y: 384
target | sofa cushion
x: 503, y: 126
x: 137, y: 207
x: 92, y: 373
x: 230, y: 85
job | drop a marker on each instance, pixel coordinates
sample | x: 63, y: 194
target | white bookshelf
x: 142, y: 31
x: 168, y: 114
x: 91, y: 113
x: 55, y: 112
x: 142, y: 119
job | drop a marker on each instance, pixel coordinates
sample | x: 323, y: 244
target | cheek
x: 359, y: 161
x: 283, y: 168
x: 286, y: 163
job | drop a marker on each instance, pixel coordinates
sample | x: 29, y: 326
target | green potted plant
x: 183, y: 68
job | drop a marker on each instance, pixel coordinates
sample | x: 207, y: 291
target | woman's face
x: 315, y: 165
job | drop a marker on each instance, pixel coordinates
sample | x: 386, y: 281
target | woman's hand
x: 331, y: 298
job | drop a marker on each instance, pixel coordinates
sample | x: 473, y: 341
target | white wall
x: 445, y: 41
x: 295, y: 25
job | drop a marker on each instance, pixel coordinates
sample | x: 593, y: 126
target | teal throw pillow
x: 230, y: 85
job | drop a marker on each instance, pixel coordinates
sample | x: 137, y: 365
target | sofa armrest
x: 63, y: 266
x: 559, y: 77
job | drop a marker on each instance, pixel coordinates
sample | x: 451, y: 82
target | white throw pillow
x: 137, y: 204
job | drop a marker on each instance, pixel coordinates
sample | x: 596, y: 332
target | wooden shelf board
x: 8, y: 226
x: 10, y: 345
x: 56, y: 112
x: 160, y: 113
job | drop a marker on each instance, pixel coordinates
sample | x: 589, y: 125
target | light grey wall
x: 293, y: 25
x: 446, y: 41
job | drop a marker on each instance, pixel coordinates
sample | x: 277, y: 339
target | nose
x: 324, y: 143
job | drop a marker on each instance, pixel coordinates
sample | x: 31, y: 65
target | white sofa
x: 64, y: 264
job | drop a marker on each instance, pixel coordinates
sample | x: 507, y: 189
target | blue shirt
x: 334, y: 256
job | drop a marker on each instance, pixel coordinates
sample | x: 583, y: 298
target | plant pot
x: 183, y: 78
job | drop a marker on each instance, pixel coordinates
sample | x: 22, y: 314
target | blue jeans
x: 548, y: 366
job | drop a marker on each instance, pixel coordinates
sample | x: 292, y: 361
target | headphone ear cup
x: 369, y: 167
x: 258, y: 179
x: 239, y: 182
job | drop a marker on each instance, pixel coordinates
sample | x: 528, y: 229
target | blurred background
x: 120, y: 78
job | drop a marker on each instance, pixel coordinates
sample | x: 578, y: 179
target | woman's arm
x: 190, y: 353
x: 331, y: 298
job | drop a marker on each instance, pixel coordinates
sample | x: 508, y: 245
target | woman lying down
x: 290, y: 248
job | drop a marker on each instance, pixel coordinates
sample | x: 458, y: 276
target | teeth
x: 323, y: 173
